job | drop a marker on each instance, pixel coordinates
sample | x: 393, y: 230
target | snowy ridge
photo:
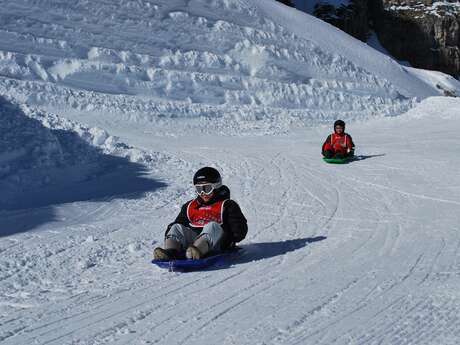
x: 149, y: 65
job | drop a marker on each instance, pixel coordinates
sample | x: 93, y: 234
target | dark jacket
x: 234, y: 223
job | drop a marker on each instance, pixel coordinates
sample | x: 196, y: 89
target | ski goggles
x: 206, y: 188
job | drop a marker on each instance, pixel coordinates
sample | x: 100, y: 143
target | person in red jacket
x: 209, y: 223
x: 338, y: 144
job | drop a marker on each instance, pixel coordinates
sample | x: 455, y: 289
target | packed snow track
x: 361, y: 253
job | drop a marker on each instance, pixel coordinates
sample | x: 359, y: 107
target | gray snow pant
x: 212, y: 232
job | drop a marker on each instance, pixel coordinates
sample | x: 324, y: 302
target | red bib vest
x: 199, y: 214
x: 339, y: 139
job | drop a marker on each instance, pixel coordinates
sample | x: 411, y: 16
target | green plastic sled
x: 338, y: 160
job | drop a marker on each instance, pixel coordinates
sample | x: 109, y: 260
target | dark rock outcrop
x: 287, y: 2
x: 425, y: 33
x: 352, y: 18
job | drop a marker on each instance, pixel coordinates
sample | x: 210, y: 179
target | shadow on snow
x: 42, y: 167
x: 359, y: 158
x: 265, y: 250
x: 363, y: 157
x: 259, y: 251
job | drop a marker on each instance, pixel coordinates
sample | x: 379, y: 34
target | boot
x: 193, y: 253
x: 165, y: 254
x: 198, y: 250
x: 171, y: 251
x: 328, y: 154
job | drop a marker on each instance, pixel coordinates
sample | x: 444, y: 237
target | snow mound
x: 442, y: 108
x: 41, y: 150
x: 224, y: 65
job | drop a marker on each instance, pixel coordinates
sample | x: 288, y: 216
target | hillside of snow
x: 108, y: 107
x: 150, y: 63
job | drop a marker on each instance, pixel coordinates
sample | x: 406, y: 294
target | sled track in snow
x: 329, y: 259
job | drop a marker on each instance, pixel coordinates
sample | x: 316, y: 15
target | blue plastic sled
x: 194, y: 265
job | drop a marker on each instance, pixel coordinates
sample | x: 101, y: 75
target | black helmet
x: 339, y: 123
x: 207, y: 175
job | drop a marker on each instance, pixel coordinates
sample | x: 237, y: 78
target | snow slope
x: 202, y: 61
x: 108, y: 107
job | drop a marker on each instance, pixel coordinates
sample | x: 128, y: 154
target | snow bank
x: 226, y: 66
x: 446, y: 84
x: 442, y: 108
x: 40, y: 150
